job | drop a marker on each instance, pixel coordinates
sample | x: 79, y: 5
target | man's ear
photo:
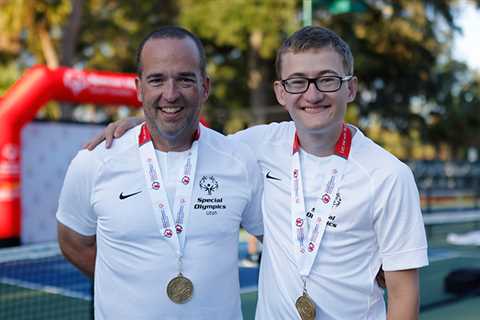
x: 279, y: 93
x: 139, y: 89
x: 206, y: 88
x: 352, y: 89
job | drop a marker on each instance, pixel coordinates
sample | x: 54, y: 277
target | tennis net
x: 36, y: 282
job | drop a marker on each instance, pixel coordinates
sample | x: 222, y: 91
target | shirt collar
x: 145, y: 135
x: 342, y: 147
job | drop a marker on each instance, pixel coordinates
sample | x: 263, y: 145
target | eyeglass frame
x: 314, y: 81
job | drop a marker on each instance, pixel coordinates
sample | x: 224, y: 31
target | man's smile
x: 315, y: 109
x: 170, y: 110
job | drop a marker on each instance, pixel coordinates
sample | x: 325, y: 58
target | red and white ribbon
x: 172, y: 227
x: 307, y: 232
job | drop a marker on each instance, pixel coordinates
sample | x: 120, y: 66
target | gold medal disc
x: 180, y: 289
x: 305, y: 307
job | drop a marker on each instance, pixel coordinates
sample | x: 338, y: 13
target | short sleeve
x: 75, y: 206
x: 399, y: 223
x: 252, y: 215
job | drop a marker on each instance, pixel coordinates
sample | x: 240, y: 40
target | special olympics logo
x: 168, y: 233
x: 208, y: 184
x: 185, y: 180
x: 155, y: 185
x: 299, y: 222
x: 75, y: 80
x: 326, y: 198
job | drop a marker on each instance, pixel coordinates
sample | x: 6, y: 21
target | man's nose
x: 313, y: 94
x: 171, y: 91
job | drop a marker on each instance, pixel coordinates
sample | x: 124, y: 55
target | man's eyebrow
x: 319, y: 74
x: 154, y: 75
x: 162, y: 75
x: 187, y: 74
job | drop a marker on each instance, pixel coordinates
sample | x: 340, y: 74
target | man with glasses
x: 337, y: 207
x: 299, y: 85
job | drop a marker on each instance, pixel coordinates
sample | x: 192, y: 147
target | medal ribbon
x: 307, y: 236
x: 172, y: 227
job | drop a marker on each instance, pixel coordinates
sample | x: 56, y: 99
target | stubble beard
x: 181, y: 133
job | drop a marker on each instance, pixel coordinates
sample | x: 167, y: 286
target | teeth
x: 309, y: 109
x: 171, y: 109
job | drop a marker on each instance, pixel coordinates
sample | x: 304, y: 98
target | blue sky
x: 467, y: 46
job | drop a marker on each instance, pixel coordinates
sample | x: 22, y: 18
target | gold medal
x: 180, y: 289
x: 305, y: 307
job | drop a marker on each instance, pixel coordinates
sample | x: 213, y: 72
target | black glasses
x: 323, y: 84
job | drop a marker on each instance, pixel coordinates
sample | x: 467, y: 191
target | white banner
x: 47, y: 149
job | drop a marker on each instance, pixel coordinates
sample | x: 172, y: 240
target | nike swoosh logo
x: 122, y: 196
x: 272, y: 177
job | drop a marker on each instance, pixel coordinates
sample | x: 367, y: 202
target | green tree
x: 398, y: 47
x: 402, y: 51
x: 241, y: 38
x: 111, y: 31
x: 100, y: 34
x: 32, y: 24
x: 454, y: 117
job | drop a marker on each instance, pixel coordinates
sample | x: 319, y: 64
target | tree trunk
x: 259, y: 89
x: 69, y: 43
x: 258, y: 80
x: 70, y: 33
x: 48, y: 49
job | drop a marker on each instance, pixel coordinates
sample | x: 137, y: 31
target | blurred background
x: 419, y: 97
x: 418, y: 65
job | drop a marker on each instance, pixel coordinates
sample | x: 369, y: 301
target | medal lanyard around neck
x: 173, y: 229
x: 307, y: 236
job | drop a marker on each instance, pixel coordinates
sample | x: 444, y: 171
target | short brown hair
x: 173, y: 32
x: 315, y: 38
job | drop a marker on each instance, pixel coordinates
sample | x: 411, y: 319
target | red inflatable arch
x: 20, y: 105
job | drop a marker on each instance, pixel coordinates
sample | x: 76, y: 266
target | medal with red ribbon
x: 172, y: 228
x: 306, y: 237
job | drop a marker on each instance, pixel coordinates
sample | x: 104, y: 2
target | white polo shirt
x: 377, y: 222
x: 134, y: 263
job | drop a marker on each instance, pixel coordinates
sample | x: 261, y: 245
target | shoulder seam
x: 370, y: 186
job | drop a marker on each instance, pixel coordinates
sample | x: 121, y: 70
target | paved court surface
x: 50, y: 288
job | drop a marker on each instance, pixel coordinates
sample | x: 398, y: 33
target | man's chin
x: 171, y: 134
x: 309, y: 125
x: 175, y: 130
x: 175, y: 133
x: 316, y: 128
